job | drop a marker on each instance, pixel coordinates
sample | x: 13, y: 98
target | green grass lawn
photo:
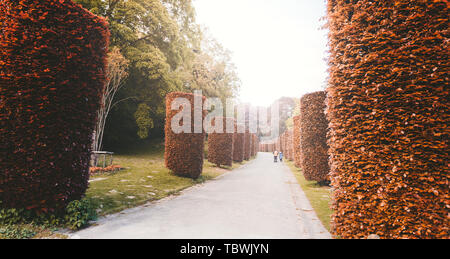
x: 318, y: 196
x: 144, y: 179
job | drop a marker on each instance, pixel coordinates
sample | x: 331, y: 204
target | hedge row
x: 184, y: 151
x: 255, y: 144
x: 285, y: 144
x: 267, y: 147
x: 52, y: 63
x: 238, y: 150
x: 247, y: 145
x: 389, y: 118
x: 313, y: 137
x: 262, y: 147
x: 272, y: 147
x: 296, y: 142
x: 289, y: 145
x: 220, y: 146
x: 252, y: 150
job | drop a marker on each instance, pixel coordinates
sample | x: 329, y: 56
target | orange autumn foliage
x: 108, y: 169
x: 388, y: 107
x: 183, y: 153
x: 296, y: 142
x: 52, y: 74
x: 220, y: 146
x: 238, y: 147
x: 247, y: 145
x: 313, y: 138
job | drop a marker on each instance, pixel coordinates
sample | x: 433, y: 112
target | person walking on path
x: 281, y: 156
x: 275, y: 156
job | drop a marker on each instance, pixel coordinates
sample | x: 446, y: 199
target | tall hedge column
x: 289, y: 145
x: 220, y: 145
x: 313, y: 138
x: 389, y: 118
x: 247, y: 145
x: 238, y: 148
x: 184, y: 151
x: 296, y: 144
x: 52, y: 74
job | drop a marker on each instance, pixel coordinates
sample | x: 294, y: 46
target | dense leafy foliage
x: 313, y: 137
x: 76, y: 215
x: 52, y: 63
x: 167, y: 52
x: 296, y: 142
x: 289, y: 145
x: 184, y: 151
x: 255, y: 145
x: 220, y: 146
x: 267, y: 147
x: 238, y: 148
x: 389, y: 118
x: 247, y: 145
x: 16, y: 232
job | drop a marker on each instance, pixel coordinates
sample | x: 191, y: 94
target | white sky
x: 278, y: 46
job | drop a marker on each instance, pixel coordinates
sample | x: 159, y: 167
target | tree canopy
x: 167, y: 51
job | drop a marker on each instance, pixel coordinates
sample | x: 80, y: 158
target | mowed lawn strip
x: 318, y: 196
x: 144, y: 179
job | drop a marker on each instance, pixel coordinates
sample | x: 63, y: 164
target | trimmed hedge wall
x: 289, y: 145
x: 184, y: 151
x: 313, y: 138
x: 238, y: 148
x: 286, y: 146
x: 272, y: 147
x: 247, y: 145
x: 265, y: 147
x: 296, y: 142
x: 52, y: 63
x: 254, y: 145
x: 388, y: 100
x: 220, y: 146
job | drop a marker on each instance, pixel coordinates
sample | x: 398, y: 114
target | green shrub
x: 76, y: 215
x: 11, y: 216
x: 79, y: 213
x: 16, y: 232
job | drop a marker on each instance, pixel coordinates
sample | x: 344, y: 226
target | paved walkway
x: 261, y: 200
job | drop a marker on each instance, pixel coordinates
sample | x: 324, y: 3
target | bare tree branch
x: 116, y: 74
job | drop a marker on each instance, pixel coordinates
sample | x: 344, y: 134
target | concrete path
x: 261, y: 200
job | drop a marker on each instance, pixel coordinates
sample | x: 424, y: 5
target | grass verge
x: 144, y: 179
x: 318, y: 196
